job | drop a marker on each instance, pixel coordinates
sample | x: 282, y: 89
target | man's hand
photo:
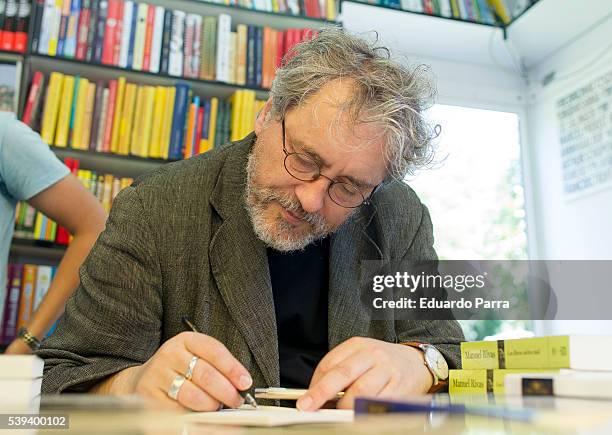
x: 217, y: 376
x: 367, y: 367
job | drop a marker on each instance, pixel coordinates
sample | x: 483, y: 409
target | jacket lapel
x: 240, y: 266
x: 350, y: 245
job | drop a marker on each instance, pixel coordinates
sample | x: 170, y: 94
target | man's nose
x: 311, y: 194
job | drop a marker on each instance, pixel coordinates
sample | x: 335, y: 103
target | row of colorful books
x: 487, y: 366
x: 14, y: 20
x: 480, y: 11
x: 26, y: 285
x: 32, y: 224
x: 166, y: 122
x: 155, y: 39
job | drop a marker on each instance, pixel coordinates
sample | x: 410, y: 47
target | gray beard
x: 278, y: 234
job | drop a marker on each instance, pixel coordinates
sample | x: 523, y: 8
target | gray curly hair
x: 385, y: 92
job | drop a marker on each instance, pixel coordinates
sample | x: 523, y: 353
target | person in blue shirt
x: 29, y: 171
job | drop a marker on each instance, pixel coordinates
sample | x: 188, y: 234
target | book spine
x: 156, y: 44
x: 104, y: 121
x: 178, y: 121
x: 139, y: 42
x: 132, y: 42
x: 100, y: 27
x: 117, y: 37
x: 39, y: 7
x: 250, y: 60
x: 83, y: 30
x: 165, y: 54
x: 27, y: 294
x: 24, y: 12
x: 7, y: 41
x: 43, y: 282
x: 188, y: 45
x: 33, y: 95
x: 71, y: 33
x: 126, y: 33
x: 223, y: 41
x: 11, y: 306
x: 92, y: 29
x: 109, y: 32
x: 524, y: 353
x: 175, y: 62
x: 258, y: 55
x: 146, y: 58
x: 95, y: 124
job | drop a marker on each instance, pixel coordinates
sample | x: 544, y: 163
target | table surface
x: 94, y: 414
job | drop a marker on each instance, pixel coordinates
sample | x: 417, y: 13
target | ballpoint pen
x: 245, y: 395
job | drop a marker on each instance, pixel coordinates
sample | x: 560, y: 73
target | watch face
x: 436, y: 362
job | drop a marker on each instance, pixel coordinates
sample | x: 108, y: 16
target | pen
x: 245, y: 395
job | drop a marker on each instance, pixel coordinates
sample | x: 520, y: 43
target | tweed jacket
x: 179, y: 242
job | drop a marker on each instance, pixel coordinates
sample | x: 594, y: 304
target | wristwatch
x: 435, y: 363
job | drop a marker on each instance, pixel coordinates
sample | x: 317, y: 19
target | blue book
x: 61, y: 37
x: 130, y: 58
x: 179, y: 117
x: 258, y: 55
x: 250, y: 60
x: 71, y: 33
x: 100, y: 27
x: 206, y: 122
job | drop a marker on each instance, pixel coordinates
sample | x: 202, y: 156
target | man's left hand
x: 367, y: 367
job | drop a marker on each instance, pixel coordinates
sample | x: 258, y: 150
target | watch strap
x: 437, y: 386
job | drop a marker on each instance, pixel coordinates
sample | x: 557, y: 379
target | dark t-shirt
x: 300, y: 283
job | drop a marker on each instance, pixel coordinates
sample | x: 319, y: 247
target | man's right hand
x: 217, y: 377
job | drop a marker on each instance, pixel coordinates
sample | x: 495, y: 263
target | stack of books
x: 20, y: 379
x: 506, y: 366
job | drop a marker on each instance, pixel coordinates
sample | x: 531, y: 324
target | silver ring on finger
x: 175, y: 387
x: 191, y: 367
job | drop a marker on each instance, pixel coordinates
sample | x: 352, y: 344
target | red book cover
x: 35, y: 90
x: 312, y: 8
x: 198, y: 135
x: 428, y: 7
x: 118, y: 30
x: 83, y: 31
x: 146, y: 60
x: 108, y: 47
x: 307, y: 34
x: 280, y: 47
x: 62, y: 236
x: 110, y: 114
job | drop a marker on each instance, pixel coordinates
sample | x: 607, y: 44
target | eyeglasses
x: 304, y: 168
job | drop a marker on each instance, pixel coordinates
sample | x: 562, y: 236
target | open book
x: 270, y: 416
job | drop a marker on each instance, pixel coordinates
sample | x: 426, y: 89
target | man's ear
x: 261, y: 118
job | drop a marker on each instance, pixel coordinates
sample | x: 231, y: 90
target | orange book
x: 267, y: 55
x: 191, y: 120
x: 27, y: 294
x: 146, y: 60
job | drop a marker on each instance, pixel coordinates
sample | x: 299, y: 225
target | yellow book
x: 147, y: 119
x: 247, y: 112
x: 500, y: 8
x: 38, y: 225
x: 65, y: 108
x: 241, y: 53
x: 191, y: 119
x: 126, y: 182
x: 114, y: 145
x: 236, y: 101
x: 212, y: 129
x: 52, y: 100
x: 156, y: 129
x: 275, y: 7
x: 331, y: 10
x: 138, y: 122
x: 88, y: 115
x: 79, y: 113
x: 167, y: 122
x: 125, y: 124
x: 107, y: 192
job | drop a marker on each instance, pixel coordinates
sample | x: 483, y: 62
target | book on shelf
x: 480, y: 11
x: 580, y: 352
x: 34, y: 225
x: 171, y: 121
x: 14, y: 21
x: 26, y: 286
x: 144, y: 37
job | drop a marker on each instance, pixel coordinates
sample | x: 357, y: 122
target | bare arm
x: 69, y: 204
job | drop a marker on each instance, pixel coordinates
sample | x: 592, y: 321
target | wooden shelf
x: 39, y: 249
